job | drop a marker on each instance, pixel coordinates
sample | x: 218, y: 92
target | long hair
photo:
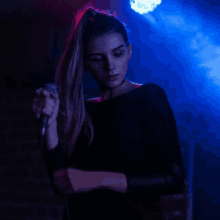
x: 88, y: 22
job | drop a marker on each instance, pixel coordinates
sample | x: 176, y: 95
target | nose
x: 112, y: 71
x: 109, y: 64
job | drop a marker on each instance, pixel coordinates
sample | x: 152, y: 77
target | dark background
x: 32, y: 38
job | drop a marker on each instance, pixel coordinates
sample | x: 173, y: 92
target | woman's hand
x: 46, y: 103
x: 71, y: 180
x: 63, y: 182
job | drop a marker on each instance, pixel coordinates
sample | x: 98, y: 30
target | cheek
x: 95, y: 66
x: 122, y: 64
x: 123, y: 61
x: 94, y: 69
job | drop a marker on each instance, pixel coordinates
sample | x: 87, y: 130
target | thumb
x: 55, y: 95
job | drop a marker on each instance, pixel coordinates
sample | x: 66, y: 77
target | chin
x: 115, y: 83
x: 112, y: 84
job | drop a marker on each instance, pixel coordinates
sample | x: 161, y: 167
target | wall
x: 25, y: 191
x: 24, y: 49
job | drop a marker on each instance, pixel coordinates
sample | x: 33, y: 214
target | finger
x: 34, y: 106
x: 47, y: 112
x: 50, y: 102
x: 38, y: 103
x: 36, y: 112
x: 59, y: 173
x: 55, y: 96
x: 38, y: 91
x: 45, y: 92
x: 63, y: 183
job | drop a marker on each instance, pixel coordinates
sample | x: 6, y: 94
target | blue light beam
x: 144, y: 6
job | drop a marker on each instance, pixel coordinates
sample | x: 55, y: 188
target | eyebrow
x: 112, y: 51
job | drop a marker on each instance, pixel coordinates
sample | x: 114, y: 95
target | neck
x: 124, y: 87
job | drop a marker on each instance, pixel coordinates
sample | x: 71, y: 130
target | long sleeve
x: 170, y: 180
x: 161, y: 183
x: 54, y: 160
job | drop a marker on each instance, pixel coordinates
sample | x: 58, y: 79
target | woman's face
x: 105, y: 53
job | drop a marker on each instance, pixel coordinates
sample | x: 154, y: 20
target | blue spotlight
x: 144, y: 6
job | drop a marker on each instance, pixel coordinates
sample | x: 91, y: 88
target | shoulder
x: 137, y: 84
x: 97, y: 99
x: 154, y: 89
x: 158, y: 97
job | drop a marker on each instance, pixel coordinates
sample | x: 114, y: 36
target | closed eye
x: 117, y: 55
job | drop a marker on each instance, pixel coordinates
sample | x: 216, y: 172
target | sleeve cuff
x: 163, y: 184
x: 54, y: 158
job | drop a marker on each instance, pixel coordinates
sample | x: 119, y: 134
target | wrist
x: 52, y: 125
x: 52, y: 136
x: 115, y: 181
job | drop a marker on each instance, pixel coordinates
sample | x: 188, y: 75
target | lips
x: 113, y: 77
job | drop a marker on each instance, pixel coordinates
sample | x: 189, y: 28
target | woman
x: 117, y: 154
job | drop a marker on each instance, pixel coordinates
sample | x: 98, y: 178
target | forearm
x: 165, y: 183
x: 118, y: 182
x: 115, y: 181
x: 51, y: 137
x: 85, y: 181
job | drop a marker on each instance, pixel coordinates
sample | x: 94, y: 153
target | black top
x: 135, y: 134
